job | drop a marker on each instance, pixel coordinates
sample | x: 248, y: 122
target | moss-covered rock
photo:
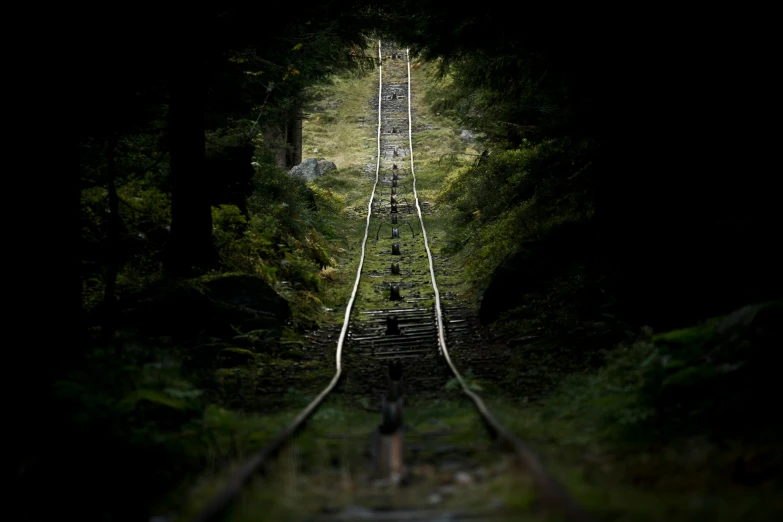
x: 709, y: 377
x: 215, y: 307
x: 177, y: 309
x: 251, y: 294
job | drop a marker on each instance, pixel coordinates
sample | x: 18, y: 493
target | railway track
x: 396, y: 351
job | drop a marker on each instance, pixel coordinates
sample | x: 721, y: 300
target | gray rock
x: 308, y: 170
x: 326, y: 166
x: 467, y: 136
x: 463, y: 478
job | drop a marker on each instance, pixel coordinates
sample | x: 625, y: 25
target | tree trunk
x: 295, y: 137
x: 274, y: 138
x: 190, y: 247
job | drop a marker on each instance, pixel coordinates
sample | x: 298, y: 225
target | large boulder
x: 308, y: 170
x: 183, y: 310
x: 326, y: 166
x: 252, y: 294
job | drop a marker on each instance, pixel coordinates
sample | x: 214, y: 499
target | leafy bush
x: 701, y: 379
x: 131, y: 401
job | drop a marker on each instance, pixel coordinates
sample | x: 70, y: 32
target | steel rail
x: 548, y: 489
x: 218, y: 505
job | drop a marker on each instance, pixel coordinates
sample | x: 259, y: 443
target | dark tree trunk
x: 190, y: 247
x: 294, y: 140
x: 274, y: 137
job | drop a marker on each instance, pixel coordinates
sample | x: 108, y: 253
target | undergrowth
x: 672, y: 423
x: 512, y: 196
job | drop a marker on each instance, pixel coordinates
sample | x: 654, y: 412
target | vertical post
x: 296, y: 135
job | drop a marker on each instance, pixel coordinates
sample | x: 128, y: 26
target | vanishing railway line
x: 399, y: 343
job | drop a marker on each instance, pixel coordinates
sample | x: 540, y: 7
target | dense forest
x: 619, y: 210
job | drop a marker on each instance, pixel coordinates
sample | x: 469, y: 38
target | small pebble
x: 434, y: 498
x: 463, y: 478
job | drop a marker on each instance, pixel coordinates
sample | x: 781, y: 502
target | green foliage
x: 145, y: 214
x: 145, y: 210
x: 682, y: 383
x: 513, y: 196
x: 144, y: 204
x: 500, y: 95
x: 233, y: 357
x: 130, y: 400
x: 671, y: 417
x: 260, y: 340
x: 328, y: 200
x: 228, y: 228
x: 454, y: 385
x: 281, y: 240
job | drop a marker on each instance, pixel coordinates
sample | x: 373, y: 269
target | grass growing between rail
x: 328, y: 467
